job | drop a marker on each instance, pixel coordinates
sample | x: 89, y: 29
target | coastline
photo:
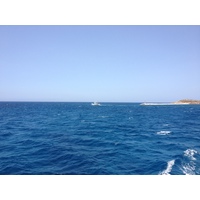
x: 187, y: 102
x: 180, y: 102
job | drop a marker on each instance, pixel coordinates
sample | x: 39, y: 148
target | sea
x: 58, y: 138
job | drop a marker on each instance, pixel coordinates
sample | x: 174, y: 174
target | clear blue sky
x: 99, y: 63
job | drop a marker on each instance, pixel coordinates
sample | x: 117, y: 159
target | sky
x: 99, y: 63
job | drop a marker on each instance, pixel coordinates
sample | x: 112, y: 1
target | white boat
x: 95, y: 104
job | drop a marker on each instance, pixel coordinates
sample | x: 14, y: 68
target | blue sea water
x: 114, y: 138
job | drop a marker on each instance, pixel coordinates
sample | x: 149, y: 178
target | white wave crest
x: 188, y: 168
x: 163, y: 132
x: 169, y: 168
x: 190, y: 153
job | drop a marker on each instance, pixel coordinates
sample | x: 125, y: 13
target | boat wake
x: 190, y: 153
x: 185, y: 163
x: 189, y: 165
x: 95, y: 104
x: 168, y: 169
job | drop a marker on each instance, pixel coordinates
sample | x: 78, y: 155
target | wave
x: 163, y: 132
x: 188, y: 166
x: 157, y: 104
x: 190, y: 153
x: 169, y: 168
x: 185, y: 164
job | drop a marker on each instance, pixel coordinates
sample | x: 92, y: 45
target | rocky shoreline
x: 180, y: 102
x: 187, y: 101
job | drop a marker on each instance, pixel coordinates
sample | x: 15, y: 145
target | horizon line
x: 25, y: 101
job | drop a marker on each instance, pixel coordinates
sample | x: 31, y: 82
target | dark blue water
x: 114, y: 138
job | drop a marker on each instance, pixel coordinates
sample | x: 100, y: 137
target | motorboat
x: 95, y: 104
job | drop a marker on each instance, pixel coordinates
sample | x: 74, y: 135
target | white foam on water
x: 163, y: 132
x: 156, y: 104
x: 188, y: 168
x: 190, y: 153
x: 169, y: 168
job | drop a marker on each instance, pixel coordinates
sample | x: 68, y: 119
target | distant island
x: 187, y: 101
x: 180, y: 102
